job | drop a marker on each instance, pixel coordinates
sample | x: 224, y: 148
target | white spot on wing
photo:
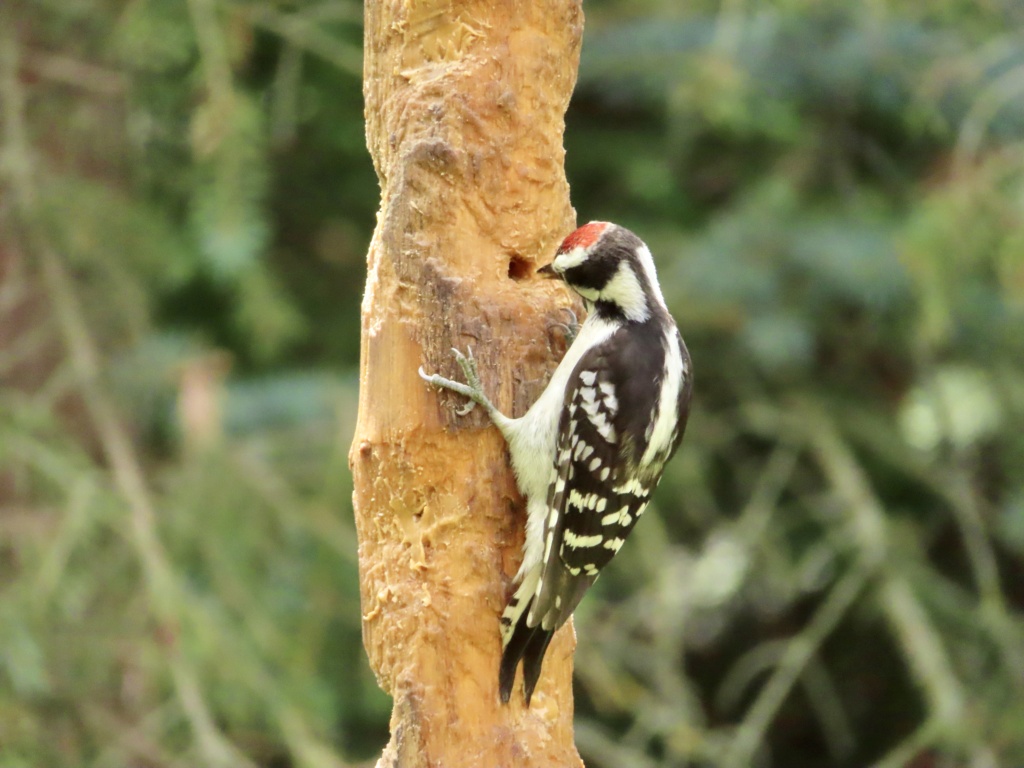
x: 611, y: 403
x: 581, y: 542
x: 632, y: 486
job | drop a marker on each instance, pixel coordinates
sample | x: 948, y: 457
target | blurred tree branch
x: 923, y: 648
x: 125, y: 466
x: 870, y: 537
x: 68, y: 70
x: 798, y: 653
x: 304, y: 31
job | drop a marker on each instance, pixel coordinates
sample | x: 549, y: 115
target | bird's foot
x: 570, y: 328
x: 471, y: 389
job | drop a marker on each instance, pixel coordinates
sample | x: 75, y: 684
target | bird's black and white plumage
x: 590, y: 451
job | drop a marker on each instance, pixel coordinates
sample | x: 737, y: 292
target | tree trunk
x: 465, y: 107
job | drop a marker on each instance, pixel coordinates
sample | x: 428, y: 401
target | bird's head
x: 611, y: 268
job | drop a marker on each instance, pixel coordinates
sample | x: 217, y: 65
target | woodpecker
x: 590, y: 451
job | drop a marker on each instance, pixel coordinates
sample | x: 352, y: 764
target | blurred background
x: 834, y: 192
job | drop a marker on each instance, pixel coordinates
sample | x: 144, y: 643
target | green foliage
x: 831, y: 576
x: 96, y: 225
x: 230, y: 184
x: 846, y: 214
x: 154, y: 36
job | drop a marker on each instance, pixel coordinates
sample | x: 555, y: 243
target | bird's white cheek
x: 625, y: 291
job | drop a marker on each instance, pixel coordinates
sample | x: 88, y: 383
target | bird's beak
x: 548, y: 272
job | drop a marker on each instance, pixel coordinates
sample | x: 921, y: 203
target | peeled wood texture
x: 465, y: 107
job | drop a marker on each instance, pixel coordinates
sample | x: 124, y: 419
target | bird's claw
x: 471, y: 389
x: 571, y: 328
x: 468, y: 365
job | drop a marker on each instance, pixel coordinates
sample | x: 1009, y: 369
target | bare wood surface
x: 465, y: 109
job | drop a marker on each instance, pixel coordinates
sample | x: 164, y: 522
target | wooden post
x: 465, y: 107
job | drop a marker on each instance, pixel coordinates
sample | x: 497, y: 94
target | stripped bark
x: 465, y: 109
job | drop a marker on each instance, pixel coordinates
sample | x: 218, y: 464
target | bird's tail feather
x: 526, y: 632
x: 526, y: 644
x: 557, y: 595
x: 516, y: 636
x: 533, y: 657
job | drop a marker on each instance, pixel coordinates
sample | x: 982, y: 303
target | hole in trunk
x: 518, y: 267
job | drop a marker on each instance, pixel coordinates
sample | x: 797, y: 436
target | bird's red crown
x: 584, y: 237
